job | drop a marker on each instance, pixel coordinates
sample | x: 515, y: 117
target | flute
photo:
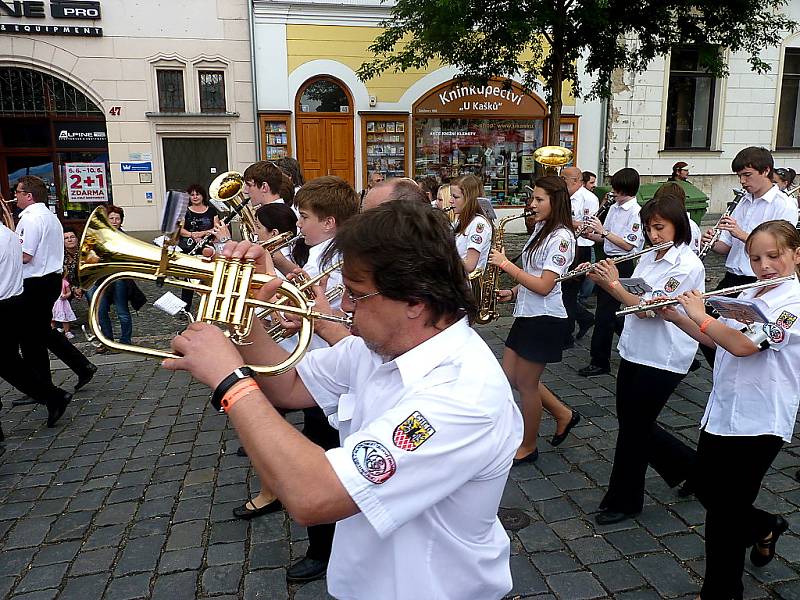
x: 615, y: 260
x: 654, y: 304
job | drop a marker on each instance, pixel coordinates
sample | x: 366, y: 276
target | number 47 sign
x: 86, y: 182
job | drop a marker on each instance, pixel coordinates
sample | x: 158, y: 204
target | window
x: 324, y: 96
x: 170, y: 91
x: 788, y: 125
x: 690, y: 100
x: 212, y: 91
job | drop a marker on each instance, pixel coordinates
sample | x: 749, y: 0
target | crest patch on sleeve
x: 374, y: 461
x: 775, y: 333
x: 413, y: 432
x: 563, y: 246
x: 786, y: 319
x: 636, y: 227
x: 632, y: 237
x: 672, y: 284
x: 476, y: 238
x: 559, y: 260
x: 479, y: 228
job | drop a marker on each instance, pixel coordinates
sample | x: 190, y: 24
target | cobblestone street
x: 130, y: 496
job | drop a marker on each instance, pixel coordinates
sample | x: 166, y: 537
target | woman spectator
x: 118, y: 293
x: 200, y: 220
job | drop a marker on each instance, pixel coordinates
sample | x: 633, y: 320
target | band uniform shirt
x: 696, y: 234
x: 623, y: 220
x: 759, y: 394
x: 42, y: 237
x: 655, y: 342
x: 427, y: 444
x: 477, y: 236
x: 555, y: 254
x: 749, y: 214
x: 10, y: 264
x: 584, y: 204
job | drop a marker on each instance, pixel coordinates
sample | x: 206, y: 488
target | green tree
x: 542, y: 40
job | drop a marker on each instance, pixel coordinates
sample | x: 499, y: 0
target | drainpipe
x: 251, y: 21
x: 603, y: 150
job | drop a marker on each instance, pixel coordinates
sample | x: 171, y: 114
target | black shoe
x: 758, y: 559
x: 307, y: 569
x: 593, y: 371
x: 530, y: 458
x: 560, y: 437
x: 609, y: 517
x: 245, y: 512
x: 86, y: 376
x: 57, y: 407
x: 241, y: 452
x: 583, y: 328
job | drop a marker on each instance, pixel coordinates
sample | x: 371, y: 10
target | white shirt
x: 696, y: 234
x: 759, y: 394
x: 10, y: 264
x: 584, y: 204
x: 555, y: 254
x: 749, y: 214
x: 427, y: 444
x: 476, y: 236
x: 623, y: 220
x: 656, y: 342
x: 43, y: 238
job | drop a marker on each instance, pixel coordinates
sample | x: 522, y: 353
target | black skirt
x: 538, y: 339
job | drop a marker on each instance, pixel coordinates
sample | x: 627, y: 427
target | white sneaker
x: 69, y: 335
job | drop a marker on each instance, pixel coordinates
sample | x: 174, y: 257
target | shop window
x: 324, y: 96
x: 500, y: 151
x: 788, y: 123
x: 212, y: 91
x: 170, y: 91
x: 690, y: 100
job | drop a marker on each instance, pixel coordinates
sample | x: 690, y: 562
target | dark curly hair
x: 410, y: 251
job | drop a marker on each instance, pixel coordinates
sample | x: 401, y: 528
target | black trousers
x: 606, y: 323
x: 39, y: 295
x: 13, y: 369
x: 641, y: 394
x: 729, y: 474
x: 317, y: 429
x: 569, y: 293
x: 729, y: 280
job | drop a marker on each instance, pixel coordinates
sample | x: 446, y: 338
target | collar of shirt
x: 415, y: 364
x: 788, y: 290
x: 768, y: 196
x: 34, y: 208
x: 627, y: 202
x: 671, y: 255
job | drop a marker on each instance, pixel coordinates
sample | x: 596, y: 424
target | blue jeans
x: 118, y: 293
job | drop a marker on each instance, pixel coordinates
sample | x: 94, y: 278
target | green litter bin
x: 696, y: 200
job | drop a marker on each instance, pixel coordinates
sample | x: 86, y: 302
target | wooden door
x: 325, y: 147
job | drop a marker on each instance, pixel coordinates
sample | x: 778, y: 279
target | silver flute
x: 615, y: 260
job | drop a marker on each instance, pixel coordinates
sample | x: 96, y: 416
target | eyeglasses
x: 21, y: 192
x: 356, y: 299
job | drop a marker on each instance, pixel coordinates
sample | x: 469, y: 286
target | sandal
x: 246, y: 512
x: 759, y: 559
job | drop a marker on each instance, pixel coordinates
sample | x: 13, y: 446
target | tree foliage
x: 501, y: 38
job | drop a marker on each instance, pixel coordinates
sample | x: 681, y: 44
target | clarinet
x: 226, y: 220
x: 737, y: 197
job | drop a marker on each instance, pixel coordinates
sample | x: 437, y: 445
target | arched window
x: 324, y: 96
x: 24, y: 92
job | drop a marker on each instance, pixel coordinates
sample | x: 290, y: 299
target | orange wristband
x: 503, y: 265
x: 237, y: 392
x: 704, y: 325
x: 614, y: 283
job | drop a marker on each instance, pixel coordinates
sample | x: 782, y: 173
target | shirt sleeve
x: 634, y: 232
x: 326, y: 372
x: 478, y: 234
x: 590, y: 205
x: 30, y: 234
x: 412, y: 457
x: 559, y: 253
x: 783, y: 329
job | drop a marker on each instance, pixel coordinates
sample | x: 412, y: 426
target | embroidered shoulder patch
x: 786, y: 319
x: 479, y: 228
x: 635, y: 227
x: 775, y: 333
x: 586, y: 211
x: 563, y: 246
x: 476, y: 238
x: 374, y: 461
x: 559, y: 260
x: 672, y: 284
x: 413, y: 432
x: 632, y: 237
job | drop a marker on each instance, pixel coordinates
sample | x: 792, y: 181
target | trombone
x: 655, y: 304
x: 226, y: 287
x: 616, y: 259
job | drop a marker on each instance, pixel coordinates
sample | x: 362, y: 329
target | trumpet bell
x: 553, y: 156
x: 226, y: 186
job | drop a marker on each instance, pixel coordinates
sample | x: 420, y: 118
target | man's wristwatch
x: 604, y: 233
x: 228, y: 383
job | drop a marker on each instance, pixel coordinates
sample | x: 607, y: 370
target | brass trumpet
x: 226, y: 193
x: 226, y: 287
x: 5, y: 213
x: 279, y: 333
x: 615, y: 260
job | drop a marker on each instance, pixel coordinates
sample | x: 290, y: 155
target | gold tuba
x: 553, y: 157
x: 226, y: 287
x: 226, y: 193
x: 484, y: 281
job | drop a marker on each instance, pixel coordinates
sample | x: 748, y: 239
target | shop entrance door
x: 325, y: 147
x: 40, y: 166
x: 193, y: 160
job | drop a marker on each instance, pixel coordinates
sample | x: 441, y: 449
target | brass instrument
x: 792, y: 191
x: 278, y: 332
x: 226, y: 194
x: 553, y: 157
x: 5, y: 213
x: 615, y: 259
x: 654, y: 304
x: 737, y: 197
x: 275, y: 243
x: 226, y: 287
x: 302, y: 284
x: 484, y: 280
x: 602, y: 210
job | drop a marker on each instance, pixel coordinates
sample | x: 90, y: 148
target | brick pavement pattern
x: 130, y: 496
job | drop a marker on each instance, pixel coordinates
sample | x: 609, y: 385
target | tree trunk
x: 556, y: 102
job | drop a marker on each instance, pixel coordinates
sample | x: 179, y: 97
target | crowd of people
x: 410, y: 424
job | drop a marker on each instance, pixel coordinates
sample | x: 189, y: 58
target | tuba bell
x: 226, y: 287
x: 553, y: 157
x: 226, y: 194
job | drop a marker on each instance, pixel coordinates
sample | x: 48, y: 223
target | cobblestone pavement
x: 130, y: 496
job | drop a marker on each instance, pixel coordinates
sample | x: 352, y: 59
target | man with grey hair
x: 396, y: 188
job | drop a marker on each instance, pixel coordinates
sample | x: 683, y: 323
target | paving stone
x: 659, y: 522
x: 28, y: 532
x: 93, y: 561
x: 594, y: 549
x: 181, y: 560
x: 83, y: 588
x: 40, y: 578
x: 186, y: 535
x: 316, y: 590
x: 154, y: 526
x: 538, y: 537
x: 229, y: 531
x: 636, y: 541
x: 526, y: 579
x: 269, y: 555
x: 266, y: 585
x: 176, y: 586
x: 223, y: 579
x: 140, y: 555
x: 617, y: 575
x: 576, y: 586
x: 540, y: 489
x: 104, y: 536
x: 665, y: 574
x: 686, y: 546
x: 549, y: 563
x: 116, y: 514
x: 129, y: 587
x: 56, y: 553
x: 556, y: 509
x: 15, y: 561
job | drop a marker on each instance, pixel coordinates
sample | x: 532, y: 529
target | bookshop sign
x: 497, y: 98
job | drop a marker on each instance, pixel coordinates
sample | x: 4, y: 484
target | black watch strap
x: 228, y: 383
